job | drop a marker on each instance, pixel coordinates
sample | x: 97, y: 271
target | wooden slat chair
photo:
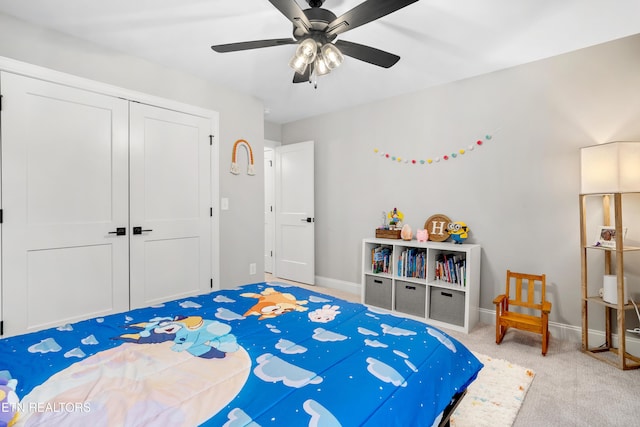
x: 524, y: 288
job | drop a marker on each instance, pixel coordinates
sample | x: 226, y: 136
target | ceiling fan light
x: 321, y: 67
x: 307, y: 50
x: 332, y: 55
x: 298, y: 64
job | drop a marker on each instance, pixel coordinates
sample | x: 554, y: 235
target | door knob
x: 307, y: 219
x: 120, y: 231
x: 139, y: 230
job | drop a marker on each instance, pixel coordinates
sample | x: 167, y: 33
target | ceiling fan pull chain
x: 314, y: 76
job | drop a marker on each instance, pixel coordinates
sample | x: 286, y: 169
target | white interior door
x: 65, y: 192
x: 269, y: 212
x: 170, y: 201
x: 295, y: 222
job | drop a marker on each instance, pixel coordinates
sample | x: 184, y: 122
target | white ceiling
x: 439, y: 41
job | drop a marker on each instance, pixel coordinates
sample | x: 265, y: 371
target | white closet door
x: 64, y: 179
x: 170, y: 198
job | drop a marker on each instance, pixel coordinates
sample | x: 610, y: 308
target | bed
x: 264, y: 354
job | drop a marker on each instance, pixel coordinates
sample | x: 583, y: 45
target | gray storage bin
x: 446, y: 305
x: 378, y: 292
x: 411, y: 298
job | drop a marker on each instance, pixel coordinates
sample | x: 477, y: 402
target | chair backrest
x: 524, y: 287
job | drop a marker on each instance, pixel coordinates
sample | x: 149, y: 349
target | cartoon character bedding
x: 265, y: 354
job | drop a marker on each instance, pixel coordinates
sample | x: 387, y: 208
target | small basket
x: 387, y: 234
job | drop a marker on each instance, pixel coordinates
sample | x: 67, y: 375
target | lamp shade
x: 307, y: 49
x: 320, y: 66
x: 298, y: 63
x: 332, y: 56
x: 613, y: 167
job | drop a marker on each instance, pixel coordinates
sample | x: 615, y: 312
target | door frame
x: 46, y: 74
x: 270, y: 175
x: 269, y: 210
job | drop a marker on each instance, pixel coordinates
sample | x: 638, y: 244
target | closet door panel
x: 87, y: 275
x: 170, y: 197
x: 65, y: 189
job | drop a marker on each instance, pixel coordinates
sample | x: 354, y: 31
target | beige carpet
x: 495, y: 397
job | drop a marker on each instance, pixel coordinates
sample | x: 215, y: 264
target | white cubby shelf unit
x: 436, y: 282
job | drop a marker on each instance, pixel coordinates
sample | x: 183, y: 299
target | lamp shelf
x: 599, y: 300
x: 614, y: 264
x: 608, y: 193
x: 612, y: 356
x: 603, y: 248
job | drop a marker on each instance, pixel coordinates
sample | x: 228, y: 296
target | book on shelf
x: 412, y: 263
x: 381, y: 259
x: 451, y: 269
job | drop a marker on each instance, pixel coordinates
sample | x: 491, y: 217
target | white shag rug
x: 495, y: 397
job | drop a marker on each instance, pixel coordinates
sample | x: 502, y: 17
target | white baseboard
x: 572, y: 333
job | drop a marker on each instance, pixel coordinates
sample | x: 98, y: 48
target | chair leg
x: 545, y: 341
x: 545, y: 333
x: 500, y: 331
x: 498, y: 328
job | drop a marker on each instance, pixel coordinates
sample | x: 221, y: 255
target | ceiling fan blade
x: 302, y: 78
x: 293, y: 12
x: 364, y: 13
x: 257, y: 44
x: 367, y: 54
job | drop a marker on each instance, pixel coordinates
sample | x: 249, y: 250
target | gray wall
x: 518, y: 193
x: 241, y: 116
x: 273, y: 131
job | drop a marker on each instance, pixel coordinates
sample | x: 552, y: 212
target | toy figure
x: 458, y: 231
x: 395, y: 218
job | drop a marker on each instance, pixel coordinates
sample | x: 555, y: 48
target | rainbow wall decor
x: 235, y: 169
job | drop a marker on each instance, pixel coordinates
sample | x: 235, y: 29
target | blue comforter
x: 265, y: 354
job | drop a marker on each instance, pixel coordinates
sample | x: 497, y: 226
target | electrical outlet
x: 252, y: 268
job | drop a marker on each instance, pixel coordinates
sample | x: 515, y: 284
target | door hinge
x: 1, y: 216
x: 271, y: 163
x: 212, y: 283
x: 210, y: 211
x: 1, y: 102
x: 1, y: 327
x: 271, y: 254
x: 210, y: 139
x: 271, y: 208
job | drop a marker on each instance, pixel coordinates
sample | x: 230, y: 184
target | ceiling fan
x: 315, y: 30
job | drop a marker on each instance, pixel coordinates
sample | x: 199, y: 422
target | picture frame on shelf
x: 607, y: 236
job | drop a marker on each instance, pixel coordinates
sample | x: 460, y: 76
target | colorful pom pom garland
x: 430, y: 161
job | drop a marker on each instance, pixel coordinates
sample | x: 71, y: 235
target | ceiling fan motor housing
x: 319, y: 19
